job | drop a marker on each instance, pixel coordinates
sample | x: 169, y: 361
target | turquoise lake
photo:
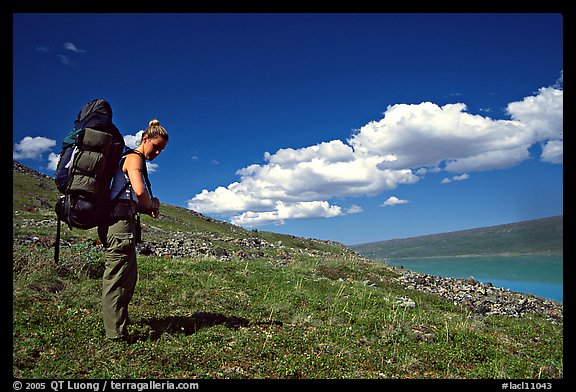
x: 538, y: 275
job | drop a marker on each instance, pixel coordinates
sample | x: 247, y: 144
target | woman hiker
x: 120, y: 236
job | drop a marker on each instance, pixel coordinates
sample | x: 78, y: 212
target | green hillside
x: 215, y: 301
x: 535, y: 237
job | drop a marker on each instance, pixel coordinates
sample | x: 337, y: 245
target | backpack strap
x: 148, y: 185
x: 57, y: 243
x: 126, y: 185
x: 145, y: 172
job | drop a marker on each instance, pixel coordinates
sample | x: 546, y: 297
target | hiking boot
x: 120, y: 339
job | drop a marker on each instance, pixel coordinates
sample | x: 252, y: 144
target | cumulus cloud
x: 553, y: 151
x: 392, y: 201
x: 426, y: 135
x: 283, y: 211
x: 133, y: 141
x: 53, y: 161
x: 32, y: 147
x: 293, y: 179
x: 543, y: 113
x: 408, y: 142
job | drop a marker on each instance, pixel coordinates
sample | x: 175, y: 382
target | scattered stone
x: 480, y: 298
x: 405, y: 302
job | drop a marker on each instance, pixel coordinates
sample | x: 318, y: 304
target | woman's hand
x: 155, y: 210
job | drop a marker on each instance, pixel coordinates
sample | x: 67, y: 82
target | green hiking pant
x: 120, y: 275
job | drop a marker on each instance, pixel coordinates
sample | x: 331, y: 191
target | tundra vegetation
x: 217, y: 301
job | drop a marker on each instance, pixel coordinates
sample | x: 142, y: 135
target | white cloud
x: 332, y: 151
x: 262, y: 186
x: 283, y: 211
x: 53, y: 161
x: 71, y: 47
x: 151, y: 167
x: 490, y: 160
x: 32, y: 147
x: 542, y: 113
x: 354, y: 209
x: 408, y: 142
x: 133, y: 141
x: 392, y: 201
x: 461, y: 177
x: 553, y: 151
x: 425, y: 135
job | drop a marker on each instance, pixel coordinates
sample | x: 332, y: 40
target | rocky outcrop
x: 222, y: 248
x: 183, y: 244
x: 20, y: 168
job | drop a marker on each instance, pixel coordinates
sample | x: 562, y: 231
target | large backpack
x: 88, y: 160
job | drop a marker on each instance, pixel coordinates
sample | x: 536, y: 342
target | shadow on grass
x: 188, y: 325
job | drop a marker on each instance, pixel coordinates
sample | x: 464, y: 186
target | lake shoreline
x: 385, y: 260
x: 479, y: 297
x: 539, y: 275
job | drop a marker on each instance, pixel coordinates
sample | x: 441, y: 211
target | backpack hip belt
x: 123, y: 209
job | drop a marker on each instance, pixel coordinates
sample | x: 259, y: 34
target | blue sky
x: 345, y: 127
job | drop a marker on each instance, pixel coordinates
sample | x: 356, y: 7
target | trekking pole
x: 57, y: 243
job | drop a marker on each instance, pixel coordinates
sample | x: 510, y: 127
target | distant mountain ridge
x: 540, y: 236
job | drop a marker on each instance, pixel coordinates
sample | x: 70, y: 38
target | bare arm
x: 134, y: 168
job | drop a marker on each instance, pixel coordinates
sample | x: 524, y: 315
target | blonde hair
x: 155, y: 130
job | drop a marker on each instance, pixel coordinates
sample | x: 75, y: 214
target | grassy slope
x: 307, y: 309
x: 541, y: 236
